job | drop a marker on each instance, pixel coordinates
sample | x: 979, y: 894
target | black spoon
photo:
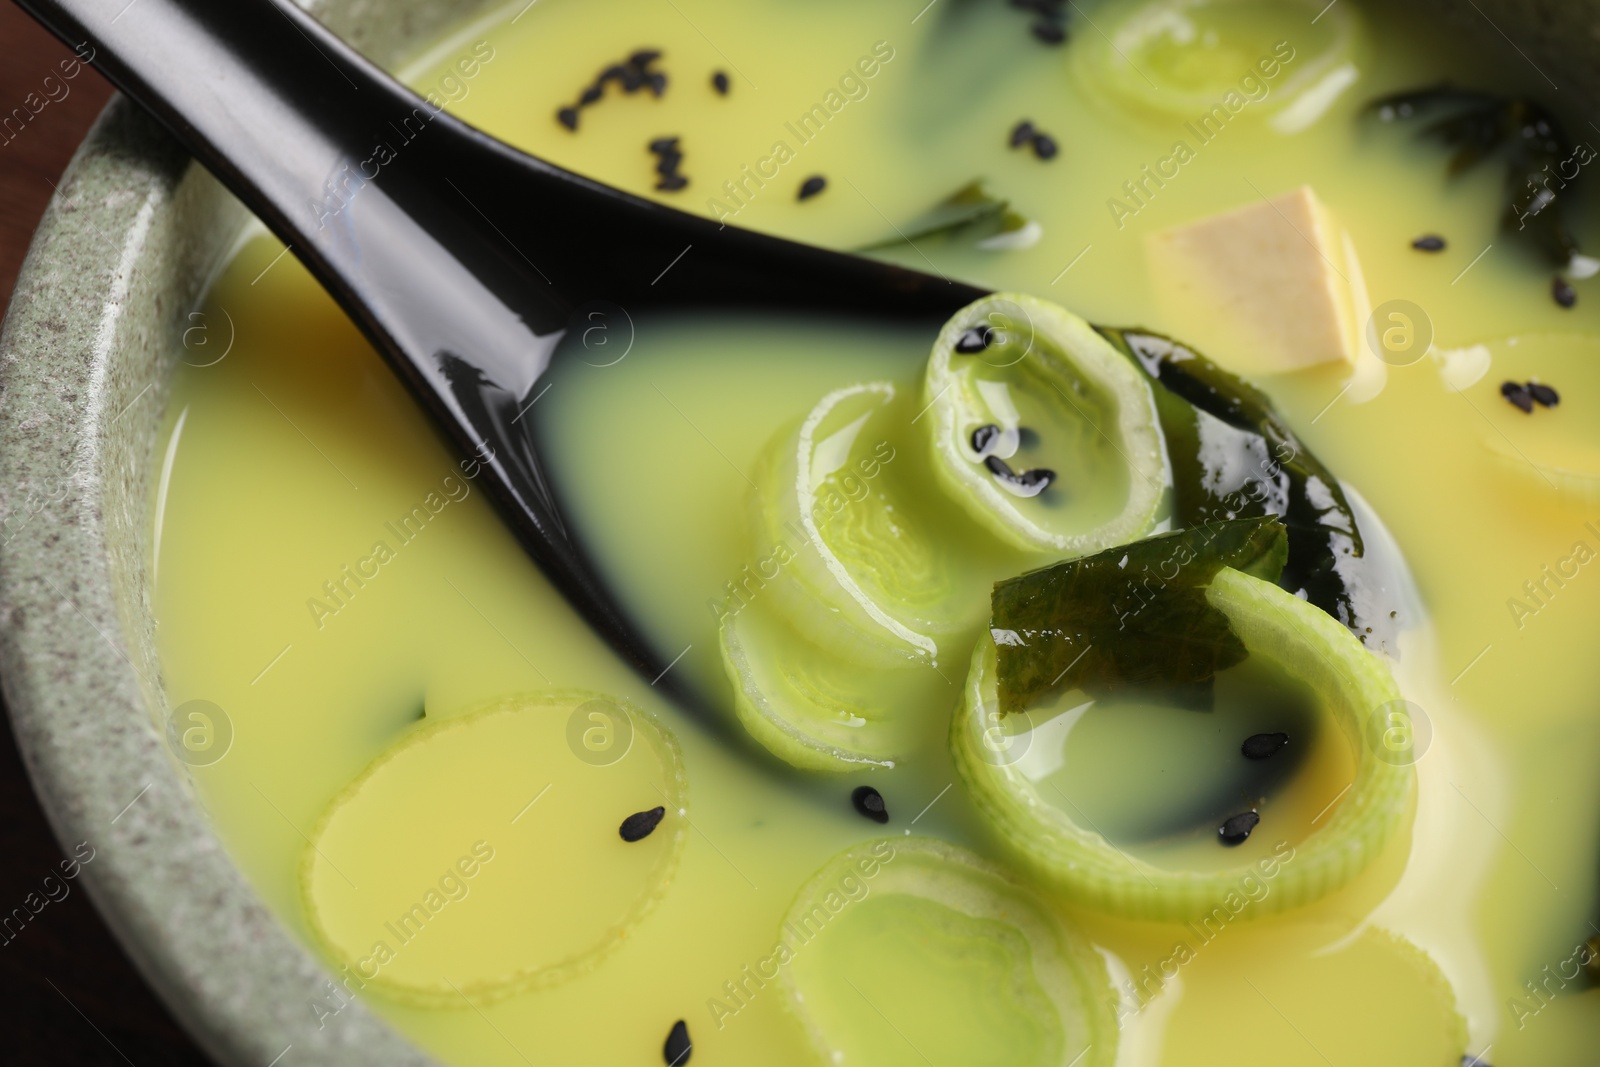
x: 463, y: 260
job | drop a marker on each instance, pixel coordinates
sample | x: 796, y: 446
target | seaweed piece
x: 1234, y: 457
x: 970, y: 213
x: 1537, y: 149
x: 1132, y: 616
x: 970, y: 56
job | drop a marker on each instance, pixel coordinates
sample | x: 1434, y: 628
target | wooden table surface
x: 68, y: 994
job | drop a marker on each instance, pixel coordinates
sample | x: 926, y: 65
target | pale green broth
x: 292, y: 457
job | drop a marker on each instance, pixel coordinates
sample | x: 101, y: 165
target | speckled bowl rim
x: 131, y: 241
x: 127, y: 247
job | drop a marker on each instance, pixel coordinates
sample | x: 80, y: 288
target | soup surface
x: 420, y: 734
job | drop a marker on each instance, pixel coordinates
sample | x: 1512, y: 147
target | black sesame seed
x: 640, y: 824
x: 678, y: 1046
x: 1236, y: 828
x: 590, y: 95
x: 615, y: 72
x: 1044, y: 146
x: 1022, y: 133
x: 869, y: 802
x: 668, y: 162
x: 1563, y: 292
x: 719, y: 82
x: 1260, y: 746
x: 1049, y: 32
x: 657, y: 82
x: 1429, y: 243
x: 663, y: 144
x: 671, y: 183
x: 568, y: 117
x: 812, y: 186
x: 1028, y: 483
x: 1035, y: 480
x: 975, y: 340
x: 1543, y: 394
x: 983, y: 439
x: 1519, y: 396
x: 644, y: 57
x: 632, y: 79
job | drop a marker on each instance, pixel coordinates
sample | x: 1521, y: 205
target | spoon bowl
x: 463, y: 260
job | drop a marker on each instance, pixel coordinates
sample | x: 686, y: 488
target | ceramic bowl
x: 124, y: 253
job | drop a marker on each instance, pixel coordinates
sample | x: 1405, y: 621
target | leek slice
x: 1322, y: 974
x: 1041, y: 430
x: 1555, y: 449
x: 1291, y: 634
x: 868, y: 582
x: 817, y: 713
x: 1287, y: 58
x: 909, y: 948
x: 432, y: 875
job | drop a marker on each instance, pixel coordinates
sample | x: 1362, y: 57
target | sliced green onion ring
x: 909, y: 948
x: 869, y: 582
x: 820, y: 714
x: 1090, y: 870
x: 1552, y: 449
x: 1046, y: 435
x: 1285, y: 58
x: 479, y: 855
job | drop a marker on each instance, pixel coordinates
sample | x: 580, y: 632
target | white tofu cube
x: 1262, y: 289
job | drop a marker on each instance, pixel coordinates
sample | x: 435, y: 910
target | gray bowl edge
x: 127, y: 247
x: 129, y: 243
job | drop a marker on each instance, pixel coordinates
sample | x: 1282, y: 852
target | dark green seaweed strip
x: 1536, y: 148
x: 1132, y: 616
x: 971, y: 213
x: 1206, y: 414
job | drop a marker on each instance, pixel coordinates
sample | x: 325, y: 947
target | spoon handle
x: 214, y: 74
x: 356, y: 173
x: 460, y: 258
x: 299, y: 125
